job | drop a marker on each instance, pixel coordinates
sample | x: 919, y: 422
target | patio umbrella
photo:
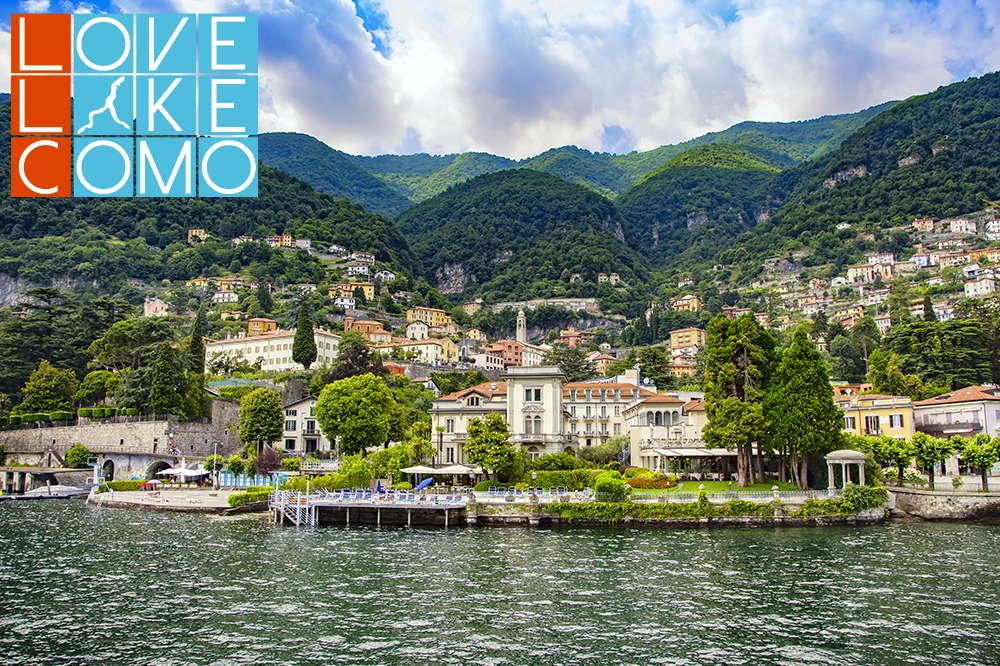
x: 424, y: 484
x: 419, y: 469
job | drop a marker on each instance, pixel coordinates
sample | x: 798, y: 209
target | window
x: 871, y: 424
x: 604, y: 411
x: 849, y: 423
x: 290, y: 412
x: 572, y: 428
x: 618, y: 428
x: 310, y: 426
x: 587, y: 412
x: 618, y: 410
x: 604, y: 395
x: 450, y: 454
x: 473, y: 401
x: 572, y: 411
x: 527, y: 425
x: 572, y: 397
x: 449, y: 425
x: 533, y: 395
x: 618, y: 395
x: 290, y: 425
x: 538, y: 425
x: 533, y: 453
x: 895, y: 420
x: 289, y: 444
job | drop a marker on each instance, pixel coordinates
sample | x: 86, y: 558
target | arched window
x: 473, y: 401
x: 538, y: 425
x: 527, y: 425
x: 649, y: 418
x: 533, y: 452
x: 659, y: 418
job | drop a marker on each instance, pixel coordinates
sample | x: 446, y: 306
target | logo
x: 124, y: 105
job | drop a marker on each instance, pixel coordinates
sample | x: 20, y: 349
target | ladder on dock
x: 294, y: 506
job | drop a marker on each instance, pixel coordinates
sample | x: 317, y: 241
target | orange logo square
x: 41, y: 43
x: 41, y: 167
x: 40, y: 105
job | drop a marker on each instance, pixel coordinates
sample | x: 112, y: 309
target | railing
x: 319, y: 465
x: 761, y: 496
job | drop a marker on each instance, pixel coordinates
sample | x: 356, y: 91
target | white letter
x: 183, y: 157
x: 216, y: 105
x: 104, y: 190
x: 216, y: 42
x: 24, y: 128
x: 158, y: 106
x: 20, y: 167
x: 224, y: 190
x: 155, y: 62
x: 83, y: 56
x: 33, y: 68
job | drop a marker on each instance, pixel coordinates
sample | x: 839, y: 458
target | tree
x: 263, y: 294
x: 357, y: 410
x: 77, y: 456
x: 489, y: 444
x: 196, y: 348
x: 236, y: 466
x: 982, y: 453
x: 96, y: 386
x: 163, y: 384
x: 929, y: 314
x: 897, y: 451
x: 214, y: 462
x: 930, y: 451
x: 48, y: 389
x: 262, y: 419
x: 269, y: 460
x: 572, y: 361
x: 737, y: 370
x: 304, y: 342
x: 354, y: 357
x: 802, y: 418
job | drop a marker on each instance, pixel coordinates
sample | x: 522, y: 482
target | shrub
x: 77, y: 456
x: 555, y: 462
x: 235, y: 392
x: 121, y: 486
x: 291, y: 464
x: 259, y: 489
x: 132, y: 411
x: 14, y: 419
x: 643, y: 483
x: 576, y: 479
x: 638, y: 473
x: 239, y: 499
x: 3, y: 421
x: 609, y: 487
x: 85, y: 412
x: 405, y: 485
x: 857, y: 498
x: 61, y: 416
x: 910, y: 475
x: 481, y: 487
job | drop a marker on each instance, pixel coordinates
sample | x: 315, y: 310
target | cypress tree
x: 162, y: 386
x: 264, y: 297
x: 196, y: 348
x: 304, y: 343
x: 929, y: 314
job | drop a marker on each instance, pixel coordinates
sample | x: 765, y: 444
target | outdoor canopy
x: 419, y: 469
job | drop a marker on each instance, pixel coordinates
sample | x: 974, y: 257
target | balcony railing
x: 873, y: 432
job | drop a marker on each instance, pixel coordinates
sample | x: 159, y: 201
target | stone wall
x: 938, y: 505
x: 194, y: 440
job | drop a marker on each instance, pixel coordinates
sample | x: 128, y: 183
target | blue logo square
x: 166, y: 44
x: 227, y: 105
x: 227, y: 167
x: 166, y: 105
x: 102, y: 43
x: 102, y: 105
x: 102, y: 167
x: 227, y: 43
x: 165, y: 167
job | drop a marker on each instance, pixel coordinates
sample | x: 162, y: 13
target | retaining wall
x: 938, y: 505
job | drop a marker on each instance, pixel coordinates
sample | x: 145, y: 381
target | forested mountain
x: 934, y: 155
x: 695, y: 204
x: 330, y: 171
x: 519, y: 234
x: 110, y: 239
x: 420, y: 176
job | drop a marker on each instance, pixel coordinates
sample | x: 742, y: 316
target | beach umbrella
x: 424, y: 484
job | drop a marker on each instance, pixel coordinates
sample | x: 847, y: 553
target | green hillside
x: 519, y: 234
x: 422, y: 176
x: 695, y: 204
x: 107, y: 240
x: 934, y: 155
x: 330, y: 171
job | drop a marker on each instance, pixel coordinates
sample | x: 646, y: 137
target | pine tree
x: 929, y: 314
x: 196, y: 348
x: 162, y: 386
x: 304, y: 342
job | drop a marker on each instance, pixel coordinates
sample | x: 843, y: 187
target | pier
x: 368, y: 507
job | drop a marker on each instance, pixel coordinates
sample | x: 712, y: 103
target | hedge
x: 259, y: 489
x: 132, y: 411
x: 239, y: 499
x: 85, y: 412
x: 235, y: 392
x: 61, y: 416
x: 14, y: 419
x: 121, y: 486
x: 613, y: 512
x: 574, y: 479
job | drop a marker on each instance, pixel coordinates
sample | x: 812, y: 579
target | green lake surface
x: 86, y: 585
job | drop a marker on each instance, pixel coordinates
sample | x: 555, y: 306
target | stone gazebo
x: 845, y: 458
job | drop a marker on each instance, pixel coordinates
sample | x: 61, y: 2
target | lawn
x: 717, y: 486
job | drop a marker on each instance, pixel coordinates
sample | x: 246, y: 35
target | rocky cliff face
x: 451, y: 279
x: 12, y: 289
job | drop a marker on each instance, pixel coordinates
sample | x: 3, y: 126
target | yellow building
x: 430, y: 316
x: 688, y: 303
x: 475, y: 334
x: 684, y: 338
x: 284, y: 240
x: 261, y: 326
x: 346, y: 290
x: 876, y: 415
x: 198, y: 282
x: 196, y: 234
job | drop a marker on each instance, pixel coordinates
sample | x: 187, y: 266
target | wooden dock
x: 369, y: 508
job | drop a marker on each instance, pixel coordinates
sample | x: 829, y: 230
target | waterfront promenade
x: 180, y: 500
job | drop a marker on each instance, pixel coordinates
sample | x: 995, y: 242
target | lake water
x: 83, y: 585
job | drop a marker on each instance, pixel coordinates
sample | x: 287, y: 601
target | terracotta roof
x: 487, y: 389
x: 660, y: 397
x: 695, y: 406
x: 597, y: 386
x: 867, y: 396
x: 969, y: 394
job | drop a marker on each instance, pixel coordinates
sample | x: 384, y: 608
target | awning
x: 419, y: 469
x: 459, y: 469
x: 690, y: 452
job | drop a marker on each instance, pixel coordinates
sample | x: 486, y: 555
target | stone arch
x: 155, y: 468
x: 659, y: 418
x: 108, y: 470
x: 649, y: 418
x: 569, y: 450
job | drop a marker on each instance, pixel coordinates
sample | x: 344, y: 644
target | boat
x: 53, y: 492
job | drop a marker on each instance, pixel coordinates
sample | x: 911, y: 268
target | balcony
x: 873, y: 432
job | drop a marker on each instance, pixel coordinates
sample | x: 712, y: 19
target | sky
x: 517, y: 77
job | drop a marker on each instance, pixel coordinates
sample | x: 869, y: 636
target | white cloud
x: 34, y: 6
x: 516, y: 77
x: 4, y: 60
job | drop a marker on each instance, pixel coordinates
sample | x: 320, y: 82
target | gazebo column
x: 833, y: 481
x: 861, y: 474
